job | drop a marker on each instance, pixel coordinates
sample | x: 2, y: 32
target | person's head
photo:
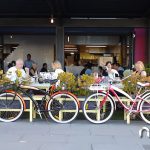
x: 13, y: 63
x: 139, y: 66
x: 108, y: 64
x: 87, y: 66
x: 56, y: 65
x: 115, y: 66
x: 45, y: 65
x: 19, y: 64
x: 28, y: 56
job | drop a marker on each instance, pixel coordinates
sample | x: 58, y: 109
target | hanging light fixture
x: 68, y: 39
x: 52, y: 19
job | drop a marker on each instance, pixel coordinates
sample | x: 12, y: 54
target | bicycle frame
x: 21, y: 88
x: 112, y: 89
x: 45, y: 93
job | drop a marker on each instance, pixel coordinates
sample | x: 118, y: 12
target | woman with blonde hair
x: 140, y: 68
x: 56, y: 65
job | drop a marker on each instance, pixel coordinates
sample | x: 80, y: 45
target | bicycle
x: 100, y: 106
x: 61, y: 106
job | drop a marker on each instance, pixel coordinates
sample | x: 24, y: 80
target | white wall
x: 41, y: 47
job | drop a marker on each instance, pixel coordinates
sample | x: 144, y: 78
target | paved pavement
x: 79, y: 135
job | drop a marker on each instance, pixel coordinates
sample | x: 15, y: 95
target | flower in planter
x: 18, y: 73
x: 67, y: 79
x: 85, y: 81
x: 4, y: 80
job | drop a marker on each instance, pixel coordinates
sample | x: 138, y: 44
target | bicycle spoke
x: 11, y: 107
x: 145, y: 109
x: 93, y: 110
x: 63, y: 108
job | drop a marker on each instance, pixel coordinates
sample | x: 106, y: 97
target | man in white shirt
x: 11, y: 73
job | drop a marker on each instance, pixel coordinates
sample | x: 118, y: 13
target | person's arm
x: 32, y: 73
x: 10, y: 74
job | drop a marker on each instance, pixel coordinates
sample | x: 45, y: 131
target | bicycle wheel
x: 63, y: 108
x: 96, y: 113
x: 145, y: 109
x: 11, y: 107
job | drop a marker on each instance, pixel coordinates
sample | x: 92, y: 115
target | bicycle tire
x: 91, y: 108
x: 10, y: 109
x: 145, y: 109
x: 62, y: 104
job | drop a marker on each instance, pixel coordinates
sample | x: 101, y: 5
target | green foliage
x: 79, y: 86
x: 130, y: 84
x: 85, y: 81
x: 67, y: 79
x: 4, y: 80
x: 147, y: 71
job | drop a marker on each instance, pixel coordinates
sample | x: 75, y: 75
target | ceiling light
x: 68, y: 38
x: 73, y: 48
x: 14, y: 47
x: 96, y: 46
x: 52, y: 19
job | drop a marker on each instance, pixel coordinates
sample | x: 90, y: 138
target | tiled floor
x: 79, y: 135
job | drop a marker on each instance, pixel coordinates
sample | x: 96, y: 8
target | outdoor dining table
x: 44, y: 86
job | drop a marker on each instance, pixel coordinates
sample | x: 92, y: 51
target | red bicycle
x: 61, y: 106
x: 99, y: 107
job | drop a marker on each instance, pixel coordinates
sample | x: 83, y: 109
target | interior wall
x: 41, y: 47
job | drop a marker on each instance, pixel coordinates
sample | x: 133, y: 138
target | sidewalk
x: 79, y: 135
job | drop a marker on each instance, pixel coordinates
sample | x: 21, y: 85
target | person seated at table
x: 44, y: 68
x: 108, y: 71
x: 140, y: 69
x: 33, y: 70
x: 120, y: 69
x: 87, y: 69
x: 12, y: 74
x: 56, y: 65
x: 13, y: 63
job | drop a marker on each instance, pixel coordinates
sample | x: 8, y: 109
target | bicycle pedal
x: 133, y: 116
x: 57, y: 117
x: 40, y: 114
x: 102, y: 115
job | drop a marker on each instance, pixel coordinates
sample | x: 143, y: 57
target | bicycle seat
x: 143, y: 84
